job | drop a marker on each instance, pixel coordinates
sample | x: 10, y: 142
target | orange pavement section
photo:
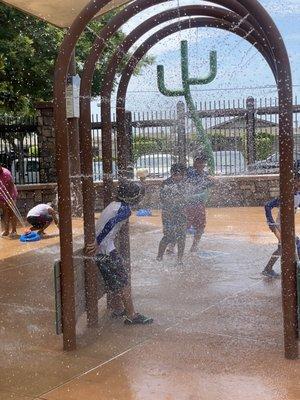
x: 217, y: 331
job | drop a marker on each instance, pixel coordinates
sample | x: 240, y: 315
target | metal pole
x: 181, y: 134
x: 65, y: 220
x: 250, y: 131
x: 75, y: 170
x: 88, y: 201
x: 129, y: 145
x: 288, y: 260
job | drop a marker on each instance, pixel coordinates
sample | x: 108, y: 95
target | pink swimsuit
x: 7, y: 185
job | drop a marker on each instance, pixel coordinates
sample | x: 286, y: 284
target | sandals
x: 138, y: 319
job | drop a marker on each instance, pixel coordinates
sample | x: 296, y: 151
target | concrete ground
x: 217, y: 331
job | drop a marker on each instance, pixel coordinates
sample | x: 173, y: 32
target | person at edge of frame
x: 8, y: 197
x: 275, y: 225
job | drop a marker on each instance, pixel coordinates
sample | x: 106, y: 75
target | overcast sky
x: 239, y: 64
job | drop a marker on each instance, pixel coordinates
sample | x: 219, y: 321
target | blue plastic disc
x: 30, y: 237
x: 144, y: 213
x: 191, y: 231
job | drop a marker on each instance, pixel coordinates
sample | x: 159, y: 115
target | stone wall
x: 228, y: 192
x: 31, y: 195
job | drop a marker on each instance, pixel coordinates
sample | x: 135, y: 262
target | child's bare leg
x: 42, y: 229
x: 181, y: 247
x: 198, y: 235
x: 13, y: 221
x: 125, y: 296
x: 196, y: 240
x: 5, y: 220
x: 162, y: 247
x: 115, y: 302
x: 171, y: 248
x: 132, y: 318
x: 274, y: 257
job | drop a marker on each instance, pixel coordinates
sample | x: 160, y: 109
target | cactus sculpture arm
x: 187, y: 82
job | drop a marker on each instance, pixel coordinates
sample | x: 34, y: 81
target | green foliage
x: 28, y: 51
x: 264, y: 145
x: 33, y: 151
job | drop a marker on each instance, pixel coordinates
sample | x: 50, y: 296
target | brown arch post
x: 262, y: 23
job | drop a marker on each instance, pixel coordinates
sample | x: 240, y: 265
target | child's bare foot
x: 13, y: 235
x: 5, y: 233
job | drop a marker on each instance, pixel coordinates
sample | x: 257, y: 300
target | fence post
x: 129, y: 144
x: 181, y: 134
x: 250, y: 130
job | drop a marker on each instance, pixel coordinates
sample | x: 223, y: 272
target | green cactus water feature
x: 187, y: 82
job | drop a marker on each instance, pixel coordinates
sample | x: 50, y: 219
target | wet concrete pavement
x: 217, y: 331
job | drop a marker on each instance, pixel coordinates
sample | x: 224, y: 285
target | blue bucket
x: 144, y: 213
x: 30, y: 237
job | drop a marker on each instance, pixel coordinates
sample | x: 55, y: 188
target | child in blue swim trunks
x: 274, y: 225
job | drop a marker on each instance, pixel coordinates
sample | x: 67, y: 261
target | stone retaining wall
x: 228, y: 192
x: 31, y: 195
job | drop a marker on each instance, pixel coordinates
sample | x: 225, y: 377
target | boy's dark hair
x: 130, y: 192
x: 201, y: 157
x: 178, y: 169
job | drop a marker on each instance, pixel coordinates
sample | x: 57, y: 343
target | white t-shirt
x: 109, y: 224
x: 39, y: 210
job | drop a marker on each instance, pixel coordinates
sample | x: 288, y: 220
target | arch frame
x: 265, y: 24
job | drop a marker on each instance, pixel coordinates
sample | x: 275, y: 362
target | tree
x: 28, y: 51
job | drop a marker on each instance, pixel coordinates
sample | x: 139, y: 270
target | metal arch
x: 85, y: 127
x: 265, y: 24
x: 150, y: 42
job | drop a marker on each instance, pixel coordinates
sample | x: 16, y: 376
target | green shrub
x: 264, y: 144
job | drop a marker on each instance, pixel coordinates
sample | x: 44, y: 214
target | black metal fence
x: 19, y: 150
x: 244, y: 137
